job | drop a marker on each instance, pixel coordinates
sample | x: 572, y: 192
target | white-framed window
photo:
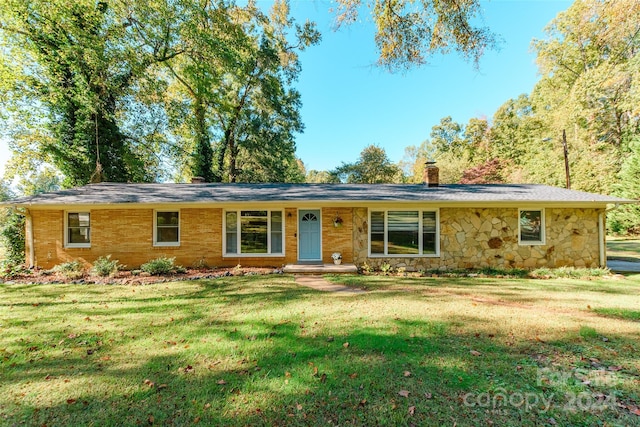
x: 257, y: 232
x: 166, y: 228
x: 77, y: 229
x: 531, y: 227
x: 404, y: 233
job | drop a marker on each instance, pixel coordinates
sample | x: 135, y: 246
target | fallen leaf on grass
x: 207, y: 405
x: 162, y: 386
x: 362, y: 402
x: 428, y: 395
x: 614, y: 368
x: 345, y: 345
x: 412, y: 410
x: 196, y: 420
x: 323, y: 378
x: 299, y: 407
x: 71, y: 401
x: 404, y: 393
x: 353, y: 376
x: 475, y: 353
x: 407, y: 373
x: 221, y: 382
x: 150, y: 420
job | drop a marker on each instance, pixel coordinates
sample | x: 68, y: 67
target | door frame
x: 319, y: 210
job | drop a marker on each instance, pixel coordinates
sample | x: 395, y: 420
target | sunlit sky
x: 349, y: 103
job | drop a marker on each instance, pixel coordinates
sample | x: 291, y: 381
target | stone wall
x: 476, y: 238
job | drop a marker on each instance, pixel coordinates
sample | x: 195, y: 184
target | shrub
x: 386, y: 268
x: 8, y: 269
x: 158, y: 266
x: 70, y: 270
x: 12, y: 235
x: 105, y: 266
x: 366, y: 268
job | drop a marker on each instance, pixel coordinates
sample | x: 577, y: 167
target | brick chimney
x: 431, y: 176
x: 197, y: 180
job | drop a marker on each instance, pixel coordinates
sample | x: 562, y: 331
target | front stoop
x: 320, y: 269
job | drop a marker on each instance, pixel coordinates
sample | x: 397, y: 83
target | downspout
x: 602, y: 239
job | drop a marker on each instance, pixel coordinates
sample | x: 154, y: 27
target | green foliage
x: 366, y: 268
x: 626, y: 218
x: 569, y: 273
x: 159, y: 266
x: 105, y: 266
x: 13, y: 236
x: 373, y: 167
x: 589, y: 88
x: 386, y: 268
x: 70, y: 270
x: 408, y: 32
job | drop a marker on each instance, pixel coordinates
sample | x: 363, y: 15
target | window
x: 531, y: 227
x: 78, y: 230
x: 404, y: 233
x: 258, y: 232
x: 166, y: 229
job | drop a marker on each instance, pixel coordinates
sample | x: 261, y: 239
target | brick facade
x: 572, y: 238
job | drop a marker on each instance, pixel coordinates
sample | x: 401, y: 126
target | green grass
x: 261, y: 350
x: 618, y: 248
x: 619, y: 313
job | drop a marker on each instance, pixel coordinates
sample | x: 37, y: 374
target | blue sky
x: 348, y: 103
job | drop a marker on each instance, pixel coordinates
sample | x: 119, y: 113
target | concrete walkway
x: 623, y: 266
x: 320, y: 284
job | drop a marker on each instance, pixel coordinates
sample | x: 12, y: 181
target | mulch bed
x: 129, y: 278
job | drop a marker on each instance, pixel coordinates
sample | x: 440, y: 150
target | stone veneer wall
x: 476, y: 238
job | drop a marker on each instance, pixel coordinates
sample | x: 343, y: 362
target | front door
x: 309, y: 235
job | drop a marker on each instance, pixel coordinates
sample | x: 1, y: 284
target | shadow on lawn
x: 283, y: 372
x: 286, y: 378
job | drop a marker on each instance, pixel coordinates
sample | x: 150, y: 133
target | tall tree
x: 589, y: 67
x: 373, y: 167
x: 79, y: 60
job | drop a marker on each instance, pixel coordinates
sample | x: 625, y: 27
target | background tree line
x: 589, y: 87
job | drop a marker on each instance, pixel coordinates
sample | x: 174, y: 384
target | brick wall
x: 337, y: 239
x: 127, y: 235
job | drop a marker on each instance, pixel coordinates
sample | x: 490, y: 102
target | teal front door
x: 309, y: 235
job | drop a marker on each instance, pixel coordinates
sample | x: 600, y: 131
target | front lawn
x: 261, y: 350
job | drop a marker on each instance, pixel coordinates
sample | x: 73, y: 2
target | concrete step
x: 320, y: 269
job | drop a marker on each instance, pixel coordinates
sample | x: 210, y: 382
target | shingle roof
x: 115, y: 193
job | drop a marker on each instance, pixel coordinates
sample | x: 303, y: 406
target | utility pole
x: 566, y: 158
